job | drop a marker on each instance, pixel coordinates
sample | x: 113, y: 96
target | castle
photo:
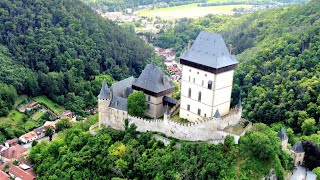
x: 206, y: 85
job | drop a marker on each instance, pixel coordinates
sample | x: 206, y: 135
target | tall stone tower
x: 207, y: 78
x: 103, y: 104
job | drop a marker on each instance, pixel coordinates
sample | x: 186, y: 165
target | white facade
x: 195, y: 83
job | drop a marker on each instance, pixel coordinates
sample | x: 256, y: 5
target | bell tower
x: 207, y: 78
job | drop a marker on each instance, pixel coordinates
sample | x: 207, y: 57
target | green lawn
x: 190, y: 11
x: 39, y: 115
x: 14, y: 120
x: 177, y: 119
x: 50, y: 104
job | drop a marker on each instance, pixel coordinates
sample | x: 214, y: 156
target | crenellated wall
x: 209, y: 129
x: 206, y: 129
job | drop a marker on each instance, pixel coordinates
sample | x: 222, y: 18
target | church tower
x: 207, y: 78
x: 103, y: 104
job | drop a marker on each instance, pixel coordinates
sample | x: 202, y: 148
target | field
x: 51, y: 105
x: 190, y: 11
x: 38, y: 115
x: 15, y: 120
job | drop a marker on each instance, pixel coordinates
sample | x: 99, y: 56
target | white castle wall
x: 206, y: 130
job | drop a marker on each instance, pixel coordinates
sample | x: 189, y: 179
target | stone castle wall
x: 209, y: 129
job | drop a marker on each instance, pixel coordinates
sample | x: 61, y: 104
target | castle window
x: 205, y: 115
x: 189, y: 78
x: 148, y: 106
x: 194, y: 80
x: 202, y: 82
x: 188, y: 107
x: 189, y: 93
x: 199, y: 96
x: 198, y: 72
x: 149, y: 98
x: 189, y: 70
x: 199, y: 112
x: 209, y: 84
x: 205, y: 75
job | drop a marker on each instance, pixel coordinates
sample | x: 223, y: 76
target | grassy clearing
x: 50, y: 104
x: 39, y: 115
x: 237, y: 129
x: 190, y: 11
x: 15, y: 121
x: 178, y: 119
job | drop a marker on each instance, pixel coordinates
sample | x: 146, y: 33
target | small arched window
x: 199, y: 96
x: 189, y: 92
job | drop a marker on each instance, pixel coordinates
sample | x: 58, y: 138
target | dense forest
x: 59, y: 48
x: 130, y: 155
x: 279, y: 71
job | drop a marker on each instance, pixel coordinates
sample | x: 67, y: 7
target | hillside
x: 62, y: 45
x: 129, y: 155
x: 279, y: 71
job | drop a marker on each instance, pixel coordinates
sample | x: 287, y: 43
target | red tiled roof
x: 3, y: 175
x: 14, y: 152
x: 12, y: 141
x: 18, y: 172
x: 29, y: 135
x: 31, y: 105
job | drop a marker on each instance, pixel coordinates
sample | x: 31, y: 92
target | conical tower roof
x: 217, y: 114
x: 104, y: 92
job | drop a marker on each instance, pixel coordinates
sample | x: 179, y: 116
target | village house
x: 28, y: 137
x: 17, y: 173
x: 40, y: 131
x: 51, y: 124
x: 14, y: 152
x: 11, y: 142
x: 32, y: 106
x: 4, y: 176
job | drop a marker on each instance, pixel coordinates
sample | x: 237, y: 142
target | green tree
x: 34, y: 143
x: 316, y: 171
x: 63, y: 123
x: 49, y: 132
x: 257, y: 144
x: 137, y: 104
x: 308, y: 126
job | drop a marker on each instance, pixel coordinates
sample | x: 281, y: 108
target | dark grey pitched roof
x: 209, y: 49
x: 297, y: 147
x: 120, y: 91
x: 282, y: 134
x: 153, y: 79
x: 122, y: 88
x: 104, y: 92
x: 170, y: 100
x: 217, y: 114
x: 119, y: 103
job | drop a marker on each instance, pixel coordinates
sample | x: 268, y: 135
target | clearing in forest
x: 190, y: 11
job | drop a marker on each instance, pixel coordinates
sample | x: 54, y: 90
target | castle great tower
x: 207, y: 78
